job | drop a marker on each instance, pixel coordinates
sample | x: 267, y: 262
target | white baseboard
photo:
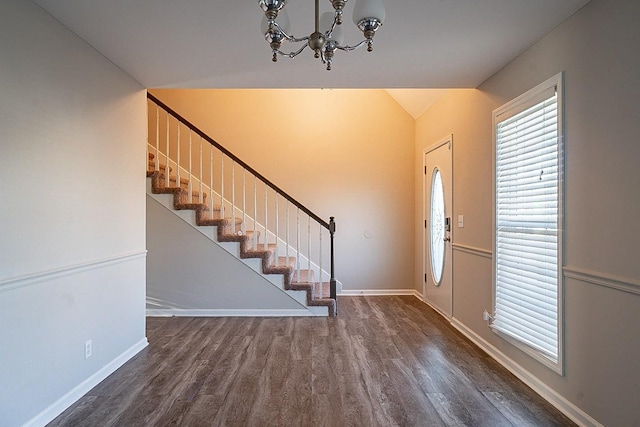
x: 231, y: 313
x: 563, y: 405
x: 434, y: 308
x: 377, y: 292
x: 59, y: 406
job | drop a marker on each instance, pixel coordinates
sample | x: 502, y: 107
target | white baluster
x: 201, y: 175
x: 320, y: 263
x: 189, y: 186
x: 255, y: 214
x: 266, y: 237
x: 157, y: 162
x: 309, y: 243
x: 243, y: 227
x: 298, y: 244
x: 287, y: 232
x: 233, y: 196
x: 178, y: 184
x: 222, y: 186
x: 277, y: 217
x: 211, y: 178
x: 166, y: 156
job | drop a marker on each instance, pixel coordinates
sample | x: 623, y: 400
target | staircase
x: 296, y: 255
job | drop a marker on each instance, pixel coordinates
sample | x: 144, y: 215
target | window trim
x: 511, y: 108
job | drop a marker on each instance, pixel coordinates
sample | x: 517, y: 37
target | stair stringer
x: 233, y: 248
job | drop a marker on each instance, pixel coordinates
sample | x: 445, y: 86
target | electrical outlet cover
x: 87, y: 349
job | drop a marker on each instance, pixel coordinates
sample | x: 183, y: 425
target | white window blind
x: 527, y: 212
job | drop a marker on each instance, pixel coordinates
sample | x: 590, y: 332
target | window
x: 528, y: 222
x: 437, y: 227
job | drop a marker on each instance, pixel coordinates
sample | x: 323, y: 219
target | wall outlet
x: 88, y: 350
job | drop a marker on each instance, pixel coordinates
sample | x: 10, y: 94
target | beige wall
x: 457, y: 113
x: 72, y: 239
x: 342, y: 153
x: 597, y: 48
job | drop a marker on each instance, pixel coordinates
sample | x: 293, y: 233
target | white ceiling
x: 217, y: 44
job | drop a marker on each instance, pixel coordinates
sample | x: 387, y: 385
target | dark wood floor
x: 384, y: 361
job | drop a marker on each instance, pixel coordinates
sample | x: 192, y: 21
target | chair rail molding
x: 485, y: 253
x: 43, y: 276
x: 606, y: 280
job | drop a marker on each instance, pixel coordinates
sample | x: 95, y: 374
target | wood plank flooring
x: 384, y: 361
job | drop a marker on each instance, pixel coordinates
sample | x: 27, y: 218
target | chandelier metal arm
x: 289, y: 37
x: 329, y: 33
x: 350, y: 48
x: 291, y: 54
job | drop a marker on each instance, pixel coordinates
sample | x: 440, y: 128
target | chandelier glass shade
x: 327, y: 38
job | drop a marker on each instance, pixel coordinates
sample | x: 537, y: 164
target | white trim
x: 60, y: 405
x: 378, y: 292
x: 502, y: 113
x: 176, y: 312
x: 560, y: 402
x: 485, y: 253
x: 446, y: 140
x: 611, y: 281
x: 541, y: 358
x: 30, y: 279
x: 436, y: 309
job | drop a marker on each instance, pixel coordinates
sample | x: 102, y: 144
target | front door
x: 438, y: 179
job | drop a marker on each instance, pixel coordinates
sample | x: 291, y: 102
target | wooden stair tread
x: 260, y: 247
x: 322, y: 290
x: 206, y: 216
x: 306, y: 276
x: 283, y: 261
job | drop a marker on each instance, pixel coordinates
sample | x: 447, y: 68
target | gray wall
x: 72, y: 244
x: 598, y: 48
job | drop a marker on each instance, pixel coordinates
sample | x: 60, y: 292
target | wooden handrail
x: 229, y: 154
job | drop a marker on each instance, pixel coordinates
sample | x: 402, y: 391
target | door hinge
x: 425, y: 223
x: 425, y: 170
x: 425, y: 277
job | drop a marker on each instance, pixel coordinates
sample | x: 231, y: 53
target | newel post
x: 332, y: 282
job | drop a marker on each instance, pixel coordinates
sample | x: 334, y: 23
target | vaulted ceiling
x: 217, y: 44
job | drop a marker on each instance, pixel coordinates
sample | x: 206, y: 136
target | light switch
x: 460, y: 221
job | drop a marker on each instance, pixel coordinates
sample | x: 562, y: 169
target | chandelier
x: 327, y: 38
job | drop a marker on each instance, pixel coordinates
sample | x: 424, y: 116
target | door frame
x: 425, y: 231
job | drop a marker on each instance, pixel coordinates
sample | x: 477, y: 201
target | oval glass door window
x: 437, y: 226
